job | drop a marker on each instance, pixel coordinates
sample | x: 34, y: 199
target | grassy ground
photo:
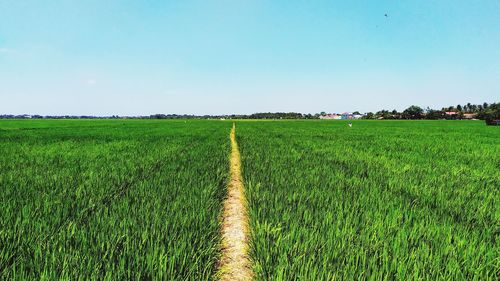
x: 379, y: 200
x: 130, y: 199
x: 113, y: 199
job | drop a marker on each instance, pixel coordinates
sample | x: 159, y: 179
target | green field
x: 141, y: 199
x: 380, y: 200
x: 112, y: 199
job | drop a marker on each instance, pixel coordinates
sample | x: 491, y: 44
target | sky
x: 245, y: 56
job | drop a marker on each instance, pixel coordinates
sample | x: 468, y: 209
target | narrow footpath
x: 235, y: 262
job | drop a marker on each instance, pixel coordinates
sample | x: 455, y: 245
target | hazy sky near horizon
x: 244, y: 56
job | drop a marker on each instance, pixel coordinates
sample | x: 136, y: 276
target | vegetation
x: 492, y: 114
x: 141, y: 199
x: 381, y: 200
x: 483, y: 111
x: 108, y: 199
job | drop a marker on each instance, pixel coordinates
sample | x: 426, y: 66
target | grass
x: 111, y: 199
x: 142, y: 199
x: 381, y: 200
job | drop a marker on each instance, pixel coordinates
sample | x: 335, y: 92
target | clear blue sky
x: 243, y: 56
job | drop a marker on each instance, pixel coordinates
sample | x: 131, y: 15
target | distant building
x: 343, y: 116
x: 347, y: 116
x: 469, y: 115
x: 333, y: 116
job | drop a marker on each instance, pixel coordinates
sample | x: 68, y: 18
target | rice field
x: 381, y: 200
x: 142, y: 199
x: 111, y: 200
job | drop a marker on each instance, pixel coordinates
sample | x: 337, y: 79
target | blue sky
x: 244, y: 56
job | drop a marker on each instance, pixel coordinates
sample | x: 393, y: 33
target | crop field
x: 110, y: 199
x: 142, y: 199
x: 381, y: 200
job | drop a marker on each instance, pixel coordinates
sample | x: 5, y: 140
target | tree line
x: 263, y: 115
x: 483, y: 111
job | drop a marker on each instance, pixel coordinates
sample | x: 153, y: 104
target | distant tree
x: 413, y: 112
x: 434, y: 114
x: 276, y: 115
x: 158, y: 116
x: 459, y: 107
x: 356, y: 113
x: 322, y: 113
x: 395, y: 114
x: 492, y: 114
x: 384, y: 114
x: 369, y: 115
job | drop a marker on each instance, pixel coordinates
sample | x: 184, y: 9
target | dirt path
x: 235, y: 263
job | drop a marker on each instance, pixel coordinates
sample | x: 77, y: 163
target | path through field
x: 235, y: 263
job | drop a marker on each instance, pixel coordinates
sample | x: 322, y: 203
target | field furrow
x: 235, y: 263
